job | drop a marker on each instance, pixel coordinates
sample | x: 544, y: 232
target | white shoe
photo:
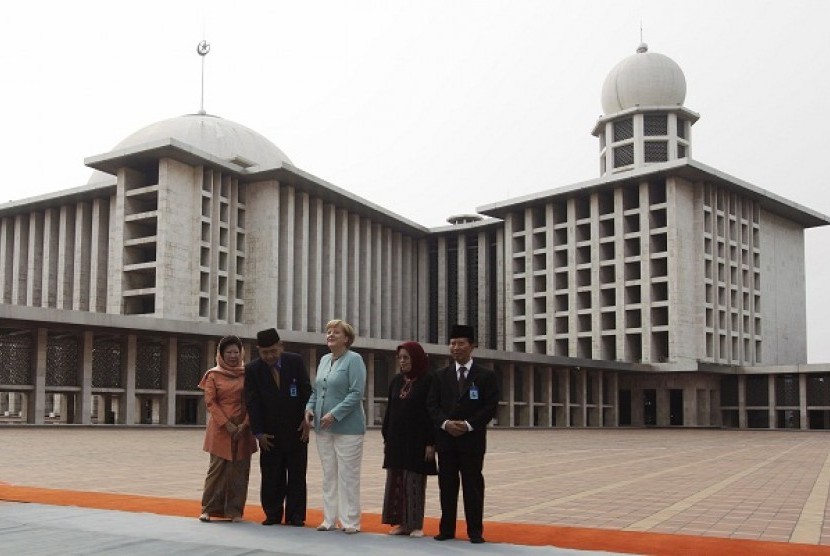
x: 324, y: 527
x: 417, y: 533
x: 351, y: 530
x: 398, y: 530
x: 204, y: 517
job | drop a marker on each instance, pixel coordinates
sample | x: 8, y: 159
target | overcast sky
x: 427, y: 108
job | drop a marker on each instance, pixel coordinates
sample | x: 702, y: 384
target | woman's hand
x: 231, y: 427
x: 430, y: 453
x: 240, y: 429
x: 327, y: 421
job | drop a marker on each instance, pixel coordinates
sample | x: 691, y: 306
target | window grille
x: 656, y: 151
x: 623, y: 156
x: 655, y: 124
x: 624, y: 129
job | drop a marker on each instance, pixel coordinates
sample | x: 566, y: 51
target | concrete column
x: 619, y: 268
x: 742, y: 401
x: 530, y: 374
x: 615, y: 400
x: 342, y: 268
x: 573, y: 344
x: 565, y: 385
x: 583, y: 390
x: 511, y: 394
x: 315, y: 271
x: 645, y: 262
x: 443, y: 325
x: 115, y: 253
x: 506, y: 264
x: 600, y: 400
x: 355, y: 261
x: 484, y: 299
x: 66, y: 254
x: 127, y: 402
x: 363, y: 277
x: 328, y: 277
x: 168, y: 375
x: 771, y: 400
x: 84, y: 405
x: 49, y: 277
x: 421, y: 330
x: 35, y: 264
x: 301, y: 242
x: 20, y: 260
x: 394, y: 276
x: 382, y: 305
x: 547, y: 396
x: 6, y: 265
x: 285, y: 303
x: 99, y: 243
x: 369, y: 403
x: 81, y: 260
x: 37, y: 398
x: 802, y: 401
x: 461, y: 281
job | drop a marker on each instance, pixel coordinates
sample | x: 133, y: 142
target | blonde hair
x: 347, y: 328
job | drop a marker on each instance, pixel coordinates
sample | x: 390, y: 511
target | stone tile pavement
x: 762, y: 485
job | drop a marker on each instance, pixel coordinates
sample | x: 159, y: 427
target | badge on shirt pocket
x: 473, y: 392
x: 292, y: 390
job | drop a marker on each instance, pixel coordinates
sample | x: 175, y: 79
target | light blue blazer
x: 338, y: 389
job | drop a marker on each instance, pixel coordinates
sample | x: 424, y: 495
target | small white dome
x: 643, y: 79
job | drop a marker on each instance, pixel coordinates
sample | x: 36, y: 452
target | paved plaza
x: 761, y: 485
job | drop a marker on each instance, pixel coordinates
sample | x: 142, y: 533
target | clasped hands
x: 456, y: 428
x: 326, y: 420
x: 235, y: 429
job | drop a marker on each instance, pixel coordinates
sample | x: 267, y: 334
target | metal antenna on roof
x: 202, y: 49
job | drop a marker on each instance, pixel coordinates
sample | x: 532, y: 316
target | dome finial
x: 643, y: 46
x: 202, y: 50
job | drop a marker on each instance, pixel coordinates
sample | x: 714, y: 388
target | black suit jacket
x: 445, y: 403
x: 274, y: 410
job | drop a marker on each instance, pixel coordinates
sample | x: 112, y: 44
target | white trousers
x: 340, y: 457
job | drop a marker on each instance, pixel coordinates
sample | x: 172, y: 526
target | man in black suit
x: 461, y: 403
x: 277, y: 389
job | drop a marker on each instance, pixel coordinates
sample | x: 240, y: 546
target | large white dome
x: 643, y: 79
x: 222, y: 138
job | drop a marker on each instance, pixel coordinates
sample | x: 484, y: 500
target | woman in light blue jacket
x: 335, y: 409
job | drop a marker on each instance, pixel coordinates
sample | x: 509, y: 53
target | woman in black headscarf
x: 409, y: 443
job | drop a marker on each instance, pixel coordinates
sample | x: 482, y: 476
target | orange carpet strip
x: 513, y: 533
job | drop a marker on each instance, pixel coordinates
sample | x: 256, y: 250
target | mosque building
x: 664, y: 292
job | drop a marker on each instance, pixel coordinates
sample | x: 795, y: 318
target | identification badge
x: 292, y: 391
x: 473, y: 392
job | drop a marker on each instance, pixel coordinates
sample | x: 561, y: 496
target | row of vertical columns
x: 56, y: 257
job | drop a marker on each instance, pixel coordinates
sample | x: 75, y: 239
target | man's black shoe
x: 271, y: 521
x: 296, y: 523
x: 443, y: 537
x: 476, y: 540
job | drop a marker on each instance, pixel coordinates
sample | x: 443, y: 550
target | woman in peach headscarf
x: 228, y: 436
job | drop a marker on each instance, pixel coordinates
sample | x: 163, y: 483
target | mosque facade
x: 662, y: 293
